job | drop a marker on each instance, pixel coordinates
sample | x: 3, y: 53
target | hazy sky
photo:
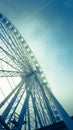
x: 47, y: 26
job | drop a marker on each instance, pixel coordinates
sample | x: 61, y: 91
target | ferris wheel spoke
x: 8, y: 73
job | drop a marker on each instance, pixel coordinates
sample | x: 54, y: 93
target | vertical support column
x: 36, y: 111
x: 50, y: 112
x: 66, y: 118
x: 7, y: 110
x: 29, y: 128
x: 23, y: 112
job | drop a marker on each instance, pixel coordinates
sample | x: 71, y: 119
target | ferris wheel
x: 28, y: 103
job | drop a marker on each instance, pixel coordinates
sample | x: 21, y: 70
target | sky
x: 47, y: 26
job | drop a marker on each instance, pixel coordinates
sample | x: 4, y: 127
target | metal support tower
x: 31, y: 104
